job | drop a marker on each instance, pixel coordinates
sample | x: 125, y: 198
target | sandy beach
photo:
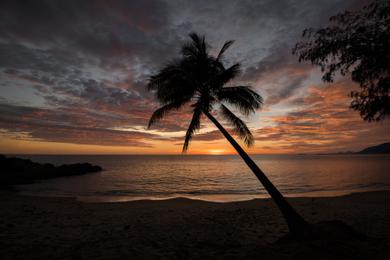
x: 63, y: 228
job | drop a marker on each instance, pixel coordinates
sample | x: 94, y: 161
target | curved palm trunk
x: 294, y: 221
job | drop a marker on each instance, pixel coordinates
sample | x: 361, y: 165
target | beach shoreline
x: 62, y: 228
x: 218, y: 198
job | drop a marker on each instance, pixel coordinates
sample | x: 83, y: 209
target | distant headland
x: 382, y: 148
x: 377, y: 149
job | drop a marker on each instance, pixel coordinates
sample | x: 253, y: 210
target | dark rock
x: 23, y: 171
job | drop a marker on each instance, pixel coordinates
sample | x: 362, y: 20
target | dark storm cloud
x: 109, y: 34
x: 72, y: 126
x: 281, y: 71
x: 286, y: 90
x: 92, y: 25
x: 71, y: 52
x: 19, y: 57
x: 286, y: 20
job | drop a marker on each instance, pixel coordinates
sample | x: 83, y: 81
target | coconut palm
x: 199, y: 79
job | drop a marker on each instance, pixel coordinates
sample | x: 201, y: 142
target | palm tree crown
x: 200, y: 79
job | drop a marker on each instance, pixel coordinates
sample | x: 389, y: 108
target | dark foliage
x: 199, y: 79
x: 239, y: 126
x: 357, y: 43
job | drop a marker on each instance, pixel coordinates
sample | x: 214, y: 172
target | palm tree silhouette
x: 199, y: 79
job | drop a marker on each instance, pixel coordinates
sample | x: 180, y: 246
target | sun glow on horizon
x: 217, y: 151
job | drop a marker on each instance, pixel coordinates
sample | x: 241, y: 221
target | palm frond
x: 189, y: 50
x: 225, y: 46
x: 242, y: 97
x: 164, y: 75
x: 173, y: 83
x: 226, y: 75
x: 162, y: 111
x: 240, y: 128
x: 194, y: 125
x: 196, y: 47
x: 199, y: 42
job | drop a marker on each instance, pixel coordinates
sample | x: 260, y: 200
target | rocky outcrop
x: 22, y: 171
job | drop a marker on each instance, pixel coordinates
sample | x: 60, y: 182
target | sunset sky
x: 73, y: 76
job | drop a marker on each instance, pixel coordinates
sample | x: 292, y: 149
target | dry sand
x: 63, y: 228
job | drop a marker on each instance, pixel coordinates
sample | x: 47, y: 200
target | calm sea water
x: 215, y: 178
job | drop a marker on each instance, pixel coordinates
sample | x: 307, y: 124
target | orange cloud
x: 322, y: 123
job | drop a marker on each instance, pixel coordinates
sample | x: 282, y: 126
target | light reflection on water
x: 216, y: 178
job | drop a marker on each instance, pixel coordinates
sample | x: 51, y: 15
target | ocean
x: 219, y: 178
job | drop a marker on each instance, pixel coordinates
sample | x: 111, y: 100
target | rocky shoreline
x: 23, y: 171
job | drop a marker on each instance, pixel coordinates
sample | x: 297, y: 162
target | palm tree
x: 200, y: 79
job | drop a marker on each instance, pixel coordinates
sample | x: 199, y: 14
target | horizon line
x: 169, y: 154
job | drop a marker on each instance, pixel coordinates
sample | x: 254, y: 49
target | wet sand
x: 63, y: 228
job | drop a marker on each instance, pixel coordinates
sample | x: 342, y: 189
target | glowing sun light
x: 216, y: 151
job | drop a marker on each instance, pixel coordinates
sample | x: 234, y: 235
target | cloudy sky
x: 73, y: 75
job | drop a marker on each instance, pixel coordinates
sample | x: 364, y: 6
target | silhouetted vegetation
x: 22, y: 171
x: 358, y: 43
x: 199, y: 80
